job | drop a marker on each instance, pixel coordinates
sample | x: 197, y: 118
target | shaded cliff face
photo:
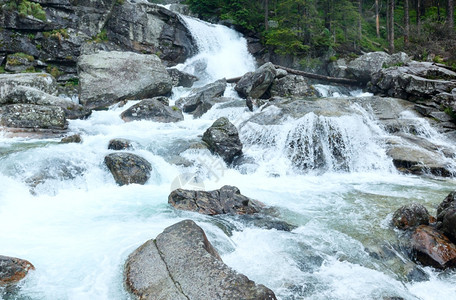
x: 54, y: 33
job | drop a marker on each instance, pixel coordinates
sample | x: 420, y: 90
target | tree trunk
x: 450, y: 14
x: 377, y: 19
x: 391, y: 26
x: 406, y: 24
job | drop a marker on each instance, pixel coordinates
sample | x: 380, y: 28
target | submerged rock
x: 411, y: 215
x: 226, y: 200
x: 182, y: 264
x: 75, y: 138
x: 128, y: 168
x: 256, y: 84
x: 137, y: 76
x: 153, y: 110
x: 433, y: 248
x: 223, y: 139
x: 119, y: 144
x: 13, y: 269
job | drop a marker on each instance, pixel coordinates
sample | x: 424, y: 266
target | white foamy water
x: 61, y: 209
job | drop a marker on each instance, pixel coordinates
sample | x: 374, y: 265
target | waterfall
x: 222, y: 52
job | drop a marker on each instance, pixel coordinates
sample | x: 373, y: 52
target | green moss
x: 2, y: 70
x: 102, y: 36
x: 332, y: 58
x: 57, y: 34
x: 175, y: 108
x: 29, y: 70
x: 438, y: 59
x: 449, y: 111
x: 26, y: 8
x: 72, y: 82
x: 120, y: 2
x: 30, y: 58
x: 54, y: 71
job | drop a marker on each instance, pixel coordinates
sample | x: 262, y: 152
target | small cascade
x: 222, y: 52
x: 339, y: 91
x: 313, y: 143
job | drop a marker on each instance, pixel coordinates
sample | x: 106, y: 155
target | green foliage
x: 29, y: 70
x: 285, y: 41
x: 2, y: 69
x: 27, y: 8
x: 102, y: 36
x: 57, y: 34
x: 72, y: 82
x: 120, y: 2
x: 54, y: 71
x: 23, y: 55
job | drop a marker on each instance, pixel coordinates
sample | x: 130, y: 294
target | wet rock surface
x: 13, y: 269
x: 120, y: 144
x: 222, y: 138
x: 138, y: 76
x: 433, y: 248
x: 226, y: 200
x: 411, y: 215
x: 128, y: 168
x: 182, y: 264
x: 153, y: 110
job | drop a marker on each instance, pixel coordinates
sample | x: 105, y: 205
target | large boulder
x: 409, y: 158
x: 150, y: 28
x: 182, y: 264
x: 40, y: 81
x: 222, y: 138
x: 226, y: 200
x: 256, y: 84
x: 292, y: 86
x: 364, y: 66
x: 433, y: 248
x: 411, y: 215
x: 30, y: 95
x: 128, y: 168
x: 202, y: 98
x: 416, y: 80
x: 108, y: 77
x: 154, y: 110
x: 33, y: 116
x: 446, y: 216
x: 13, y: 269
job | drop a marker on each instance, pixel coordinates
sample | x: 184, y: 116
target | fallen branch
x: 320, y: 77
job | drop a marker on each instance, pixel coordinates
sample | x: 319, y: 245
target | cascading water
x: 61, y: 209
x: 222, y: 52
